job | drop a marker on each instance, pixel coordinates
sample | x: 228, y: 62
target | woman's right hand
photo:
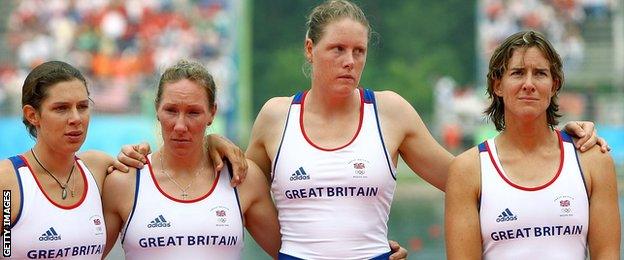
x: 131, y: 156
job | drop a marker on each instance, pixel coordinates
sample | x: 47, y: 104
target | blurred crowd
x: 119, y: 45
x: 559, y: 20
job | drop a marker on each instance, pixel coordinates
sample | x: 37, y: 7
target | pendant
x: 64, y: 194
x: 184, y: 195
x: 72, y: 193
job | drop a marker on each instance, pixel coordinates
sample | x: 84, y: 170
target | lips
x: 528, y: 99
x: 74, y: 136
x: 75, y: 133
x: 346, y: 76
x: 180, y: 140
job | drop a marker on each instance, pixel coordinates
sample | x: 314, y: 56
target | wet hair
x: 39, y: 81
x: 192, y: 71
x: 498, y: 66
x: 330, y: 11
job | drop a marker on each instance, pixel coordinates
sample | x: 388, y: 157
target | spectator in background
x: 120, y: 45
x: 560, y: 20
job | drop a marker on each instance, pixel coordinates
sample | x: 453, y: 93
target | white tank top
x: 333, y: 204
x: 45, y: 229
x: 162, y: 227
x: 546, y: 222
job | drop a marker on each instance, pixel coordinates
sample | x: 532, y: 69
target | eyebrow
x: 65, y: 102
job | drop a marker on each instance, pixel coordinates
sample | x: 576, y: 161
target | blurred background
x: 433, y: 53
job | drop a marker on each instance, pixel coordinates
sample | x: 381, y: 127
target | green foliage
x: 416, y: 42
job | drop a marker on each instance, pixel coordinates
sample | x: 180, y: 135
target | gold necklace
x: 183, y: 189
x: 63, y: 186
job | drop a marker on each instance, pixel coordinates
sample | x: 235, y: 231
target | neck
x: 184, y: 164
x: 528, y: 136
x: 57, y: 163
x: 331, y: 105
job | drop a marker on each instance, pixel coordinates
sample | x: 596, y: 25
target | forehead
x: 184, y: 91
x: 531, y: 56
x: 345, y: 29
x: 67, y: 90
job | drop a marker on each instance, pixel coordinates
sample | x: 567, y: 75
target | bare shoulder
x: 393, y: 107
x: 97, y: 162
x: 390, y: 100
x: 7, y: 174
x: 465, y: 170
x: 598, y: 167
x: 274, y: 109
x: 6, y: 167
x: 95, y: 156
x: 468, y: 159
x: 594, y: 156
x: 120, y: 182
x: 271, y: 119
x: 596, y: 163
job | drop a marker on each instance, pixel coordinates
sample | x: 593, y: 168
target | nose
x: 529, y: 85
x: 74, y: 116
x: 180, y: 124
x: 349, y: 61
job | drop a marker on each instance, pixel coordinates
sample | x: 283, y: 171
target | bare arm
x: 260, y: 213
x: 8, y: 182
x: 218, y: 147
x: 117, y: 201
x: 266, y: 132
x: 403, y: 128
x: 461, y: 216
x: 604, y: 216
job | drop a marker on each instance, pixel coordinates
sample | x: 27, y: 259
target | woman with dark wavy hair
x: 527, y: 193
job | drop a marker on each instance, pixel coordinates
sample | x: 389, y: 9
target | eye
x: 170, y: 110
x: 83, y: 106
x: 60, y: 108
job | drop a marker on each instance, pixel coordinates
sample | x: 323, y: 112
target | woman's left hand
x: 219, y: 147
x: 398, y: 252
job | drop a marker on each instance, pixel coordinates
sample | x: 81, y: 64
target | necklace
x: 63, y: 186
x: 183, y: 189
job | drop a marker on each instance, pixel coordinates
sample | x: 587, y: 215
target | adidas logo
x: 506, y: 215
x: 50, y: 235
x: 300, y: 174
x: 159, y: 222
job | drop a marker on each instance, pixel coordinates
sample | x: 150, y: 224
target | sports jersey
x: 162, y: 227
x: 333, y: 203
x: 545, y: 222
x: 45, y: 229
